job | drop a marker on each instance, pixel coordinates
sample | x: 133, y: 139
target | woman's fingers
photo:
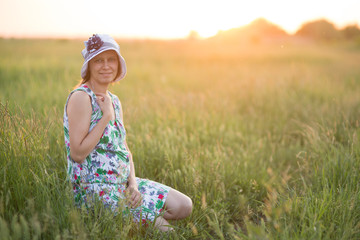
x: 137, y: 201
x: 103, y: 97
x: 105, y: 104
x: 134, y: 197
x: 100, y: 94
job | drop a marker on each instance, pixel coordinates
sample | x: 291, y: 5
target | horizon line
x: 145, y: 37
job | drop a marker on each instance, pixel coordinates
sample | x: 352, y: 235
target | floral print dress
x: 104, y: 173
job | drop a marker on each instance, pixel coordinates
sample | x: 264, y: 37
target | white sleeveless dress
x: 104, y: 173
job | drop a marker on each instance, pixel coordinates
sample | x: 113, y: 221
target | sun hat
x: 97, y: 44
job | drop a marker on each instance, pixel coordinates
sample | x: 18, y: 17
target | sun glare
x: 233, y: 14
x: 208, y: 18
x: 211, y: 17
x: 163, y: 18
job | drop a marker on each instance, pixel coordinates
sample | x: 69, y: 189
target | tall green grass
x: 264, y: 139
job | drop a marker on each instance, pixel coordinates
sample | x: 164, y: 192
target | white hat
x: 97, y: 44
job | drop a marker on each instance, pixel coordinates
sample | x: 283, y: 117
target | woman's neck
x: 97, y: 88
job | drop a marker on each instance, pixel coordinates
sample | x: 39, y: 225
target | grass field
x: 263, y: 138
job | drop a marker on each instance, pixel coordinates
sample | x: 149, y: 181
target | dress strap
x: 86, y: 89
x: 117, y: 107
x: 95, y: 107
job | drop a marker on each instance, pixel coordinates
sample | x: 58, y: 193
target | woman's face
x: 104, y: 67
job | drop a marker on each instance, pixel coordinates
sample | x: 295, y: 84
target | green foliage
x: 265, y: 139
x: 351, y: 32
x: 323, y: 30
x: 319, y: 30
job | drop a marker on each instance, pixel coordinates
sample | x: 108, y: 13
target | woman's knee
x: 187, y: 206
x: 179, y: 205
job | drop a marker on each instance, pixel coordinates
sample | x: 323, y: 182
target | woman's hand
x: 133, y: 196
x: 105, y: 104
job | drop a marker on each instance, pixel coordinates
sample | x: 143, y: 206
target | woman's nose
x: 106, y: 64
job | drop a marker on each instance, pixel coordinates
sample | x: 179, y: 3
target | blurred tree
x: 319, y: 30
x: 256, y: 32
x: 351, y: 32
x: 262, y: 27
x: 193, y: 35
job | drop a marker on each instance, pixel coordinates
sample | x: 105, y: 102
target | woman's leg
x: 177, y: 205
x: 162, y: 224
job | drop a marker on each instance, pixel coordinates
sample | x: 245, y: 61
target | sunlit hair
x: 87, y: 76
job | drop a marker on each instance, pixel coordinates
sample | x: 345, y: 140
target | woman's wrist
x: 106, y: 116
x: 131, y: 182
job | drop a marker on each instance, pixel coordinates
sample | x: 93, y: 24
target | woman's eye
x: 111, y: 59
x: 98, y: 60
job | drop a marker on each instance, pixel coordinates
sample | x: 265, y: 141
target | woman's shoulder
x: 79, y: 98
x: 80, y: 101
x: 82, y: 88
x: 81, y: 91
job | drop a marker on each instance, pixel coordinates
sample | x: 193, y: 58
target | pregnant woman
x: 100, y: 164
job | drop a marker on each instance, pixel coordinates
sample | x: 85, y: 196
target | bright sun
x: 163, y: 18
x: 207, y: 18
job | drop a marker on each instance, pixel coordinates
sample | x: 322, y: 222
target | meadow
x: 264, y: 138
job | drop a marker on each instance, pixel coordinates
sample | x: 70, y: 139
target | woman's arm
x: 132, y: 192
x: 131, y: 178
x: 82, y: 142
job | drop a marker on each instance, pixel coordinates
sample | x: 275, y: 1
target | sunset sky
x: 162, y: 18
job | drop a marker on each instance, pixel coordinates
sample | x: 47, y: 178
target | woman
x: 100, y: 164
